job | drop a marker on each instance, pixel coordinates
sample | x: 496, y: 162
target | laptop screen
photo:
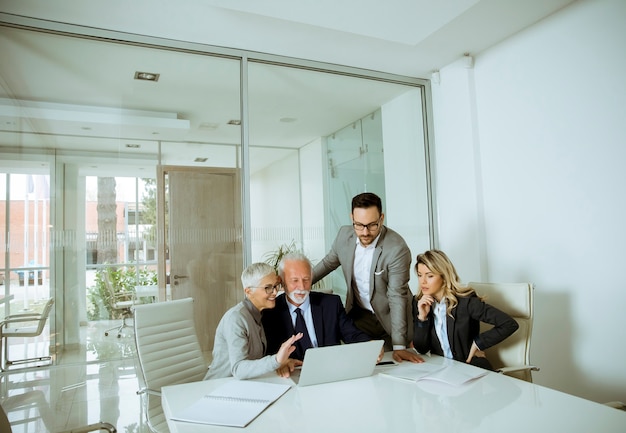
x: 336, y: 363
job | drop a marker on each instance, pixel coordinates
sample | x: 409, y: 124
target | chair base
x: 8, y: 363
x: 119, y: 328
x: 94, y: 427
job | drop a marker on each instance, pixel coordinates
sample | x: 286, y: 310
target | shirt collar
x: 304, y: 306
x: 440, y: 307
x: 256, y: 314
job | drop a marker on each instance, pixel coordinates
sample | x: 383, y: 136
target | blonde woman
x: 447, y: 314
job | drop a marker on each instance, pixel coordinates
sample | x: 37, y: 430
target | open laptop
x: 335, y: 363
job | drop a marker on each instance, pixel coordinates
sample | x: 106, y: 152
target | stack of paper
x: 451, y: 374
x: 236, y: 403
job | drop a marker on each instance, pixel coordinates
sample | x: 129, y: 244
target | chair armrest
x: 616, y: 405
x: 124, y: 296
x: 19, y: 320
x: 517, y: 368
x: 148, y: 391
x: 93, y: 427
x: 37, y: 316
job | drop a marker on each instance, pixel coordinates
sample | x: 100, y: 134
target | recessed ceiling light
x: 234, y: 122
x: 288, y: 119
x: 147, y: 76
x: 133, y: 146
x: 200, y: 159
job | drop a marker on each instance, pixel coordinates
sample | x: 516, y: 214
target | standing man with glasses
x: 240, y: 348
x: 376, y: 263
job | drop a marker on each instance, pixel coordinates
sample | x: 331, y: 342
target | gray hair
x: 251, y: 276
x: 295, y: 256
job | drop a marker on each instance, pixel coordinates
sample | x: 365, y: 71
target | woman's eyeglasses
x: 270, y: 289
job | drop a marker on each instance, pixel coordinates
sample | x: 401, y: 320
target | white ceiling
x: 406, y: 37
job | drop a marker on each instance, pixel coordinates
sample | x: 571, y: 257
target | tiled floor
x: 95, y: 383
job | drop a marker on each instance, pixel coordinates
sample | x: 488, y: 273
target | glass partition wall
x: 161, y: 184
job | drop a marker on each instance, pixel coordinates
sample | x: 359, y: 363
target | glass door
x: 25, y: 279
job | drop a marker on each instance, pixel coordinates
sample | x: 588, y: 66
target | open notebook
x: 235, y: 403
x: 335, y: 363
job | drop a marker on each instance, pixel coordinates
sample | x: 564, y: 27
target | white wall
x: 275, y: 206
x: 406, y: 204
x: 530, y: 154
x: 312, y: 197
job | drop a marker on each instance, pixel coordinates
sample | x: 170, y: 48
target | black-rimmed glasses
x: 270, y: 289
x: 370, y: 227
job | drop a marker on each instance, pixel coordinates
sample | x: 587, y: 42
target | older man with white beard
x: 319, y: 316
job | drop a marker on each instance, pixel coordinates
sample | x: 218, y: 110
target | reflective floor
x: 96, y: 382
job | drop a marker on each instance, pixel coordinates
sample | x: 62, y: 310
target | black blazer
x: 463, y: 328
x: 332, y: 325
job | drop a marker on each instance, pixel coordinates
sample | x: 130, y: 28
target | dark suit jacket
x: 332, y: 325
x: 463, y: 328
x: 389, y: 279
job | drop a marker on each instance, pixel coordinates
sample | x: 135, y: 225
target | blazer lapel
x: 317, y: 313
x: 377, y: 252
x: 285, y: 316
x: 451, y: 323
x: 376, y: 256
x: 348, y: 271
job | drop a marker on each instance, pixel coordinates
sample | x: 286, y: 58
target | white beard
x: 298, y: 300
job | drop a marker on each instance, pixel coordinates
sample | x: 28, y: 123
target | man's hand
x: 286, y: 369
x: 406, y: 355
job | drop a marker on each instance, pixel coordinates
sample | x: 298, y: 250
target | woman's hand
x: 423, y: 307
x: 475, y: 351
x: 287, y: 348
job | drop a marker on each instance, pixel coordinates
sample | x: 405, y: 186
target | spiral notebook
x: 235, y: 403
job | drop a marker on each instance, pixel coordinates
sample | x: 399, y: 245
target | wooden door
x: 203, y: 242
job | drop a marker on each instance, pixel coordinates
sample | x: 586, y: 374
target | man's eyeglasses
x: 270, y: 289
x: 370, y: 227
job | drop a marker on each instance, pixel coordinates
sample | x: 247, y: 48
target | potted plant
x: 274, y: 257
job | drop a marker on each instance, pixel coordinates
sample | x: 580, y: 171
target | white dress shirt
x: 361, y: 271
x: 441, y: 327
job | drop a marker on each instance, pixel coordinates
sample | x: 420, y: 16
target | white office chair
x: 511, y: 356
x: 37, y: 399
x: 122, y: 302
x: 23, y: 325
x: 168, y: 353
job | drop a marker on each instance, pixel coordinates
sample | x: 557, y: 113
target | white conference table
x: 493, y: 403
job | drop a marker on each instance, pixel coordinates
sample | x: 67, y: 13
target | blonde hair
x: 439, y: 263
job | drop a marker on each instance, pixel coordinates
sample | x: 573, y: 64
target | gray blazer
x: 389, y: 279
x: 240, y: 344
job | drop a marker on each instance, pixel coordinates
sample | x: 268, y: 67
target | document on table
x: 451, y: 374
x: 236, y: 403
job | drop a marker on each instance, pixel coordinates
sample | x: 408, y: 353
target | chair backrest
x: 44, y: 315
x: 168, y: 350
x: 108, y: 283
x: 515, y: 299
